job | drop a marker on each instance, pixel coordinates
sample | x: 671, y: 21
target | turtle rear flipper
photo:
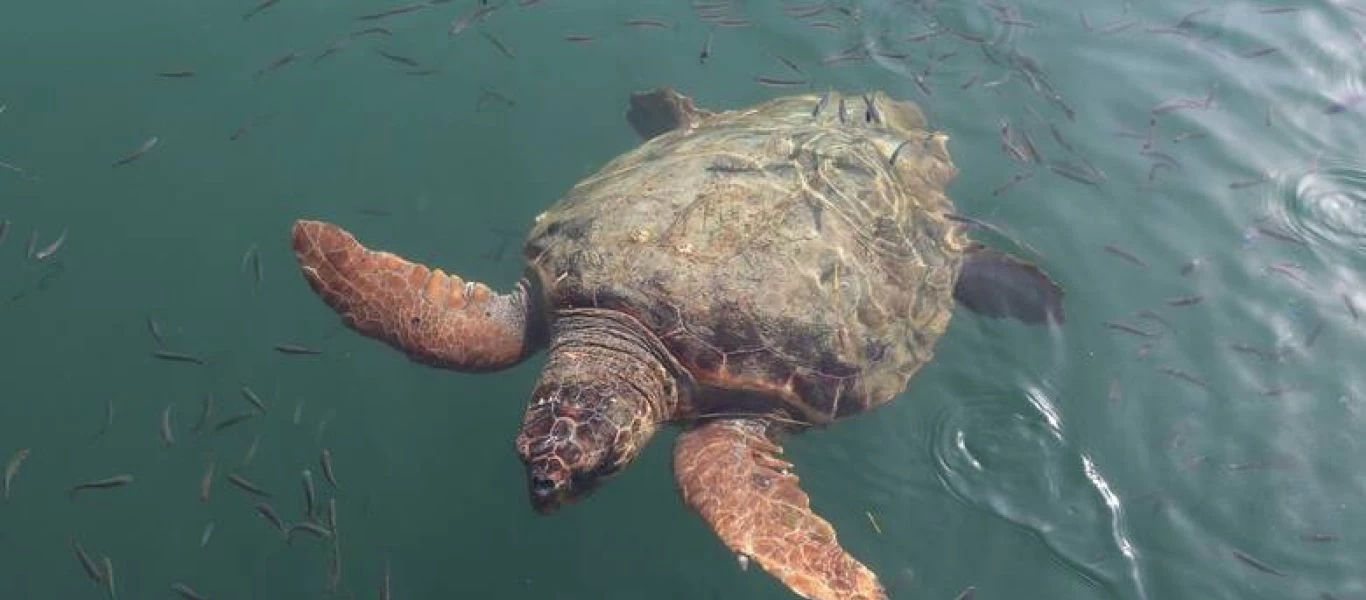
x: 662, y: 110
x: 730, y: 473
x: 995, y: 284
x: 434, y: 318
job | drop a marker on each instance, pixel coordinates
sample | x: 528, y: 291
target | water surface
x: 1213, y: 147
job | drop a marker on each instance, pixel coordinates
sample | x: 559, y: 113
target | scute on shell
x: 780, y: 255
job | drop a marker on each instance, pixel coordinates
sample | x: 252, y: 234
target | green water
x: 1027, y: 463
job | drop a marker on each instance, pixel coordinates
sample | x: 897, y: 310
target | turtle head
x: 594, y: 408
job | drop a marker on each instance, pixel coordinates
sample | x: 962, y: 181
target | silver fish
x: 167, y: 436
x: 136, y: 154
x: 47, y: 251
x: 12, y: 468
x: 326, y: 461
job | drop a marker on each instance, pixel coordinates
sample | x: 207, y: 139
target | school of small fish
x: 918, y: 55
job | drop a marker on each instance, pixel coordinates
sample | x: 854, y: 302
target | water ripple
x: 1014, y: 460
x: 1326, y: 205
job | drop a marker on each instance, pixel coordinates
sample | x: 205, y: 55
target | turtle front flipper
x: 434, y: 318
x: 730, y: 473
x: 995, y: 284
x: 662, y: 110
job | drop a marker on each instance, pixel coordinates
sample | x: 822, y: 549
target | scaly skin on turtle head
x: 601, y: 396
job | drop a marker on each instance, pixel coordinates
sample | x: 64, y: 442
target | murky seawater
x: 1196, y: 180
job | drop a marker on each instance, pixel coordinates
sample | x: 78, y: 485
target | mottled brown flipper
x: 730, y: 473
x: 996, y: 284
x: 434, y: 318
x: 662, y: 110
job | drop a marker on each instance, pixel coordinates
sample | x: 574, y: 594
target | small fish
x: 109, y: 584
x: 1010, y: 183
x: 253, y: 399
x: 175, y: 74
x: 323, y: 422
x: 275, y: 65
x: 1258, y: 53
x: 1319, y: 538
x: 1276, y: 10
x: 310, y: 496
x: 12, y: 468
x: 332, y: 515
x: 1126, y: 255
x: 233, y: 420
x: 578, y: 38
x: 178, y: 357
x: 298, y: 412
x: 403, y: 60
x: 788, y: 63
x: 185, y: 591
x: 251, y: 451
x: 259, y: 7
x: 461, y: 24
x: 971, y: 80
x: 655, y: 23
x: 706, y: 47
x: 891, y: 161
x: 206, y: 534
x: 154, y: 328
x: 1184, y: 376
x: 246, y: 486
x: 1152, y: 316
x: 206, y: 481
x: 397, y: 10
x: 1282, y: 236
x: 4, y: 228
x: 308, y: 527
x: 1069, y: 173
x: 779, y: 82
x: 873, y: 522
x: 1256, y: 564
x: 384, y: 31
x: 269, y: 513
x: 326, y: 461
x: 116, y: 481
x: 486, y: 95
x: 1351, y: 308
x: 86, y: 563
x: 167, y: 436
x: 136, y: 154
x: 1344, y: 103
x: 497, y: 43
x: 1269, y: 356
x: 47, y: 251
x: 821, y: 104
x: 295, y: 349
x: 108, y: 417
x: 334, y: 568
x: 1186, y: 300
x: 1289, y: 271
x: 1127, y: 328
x: 205, y: 413
x: 967, y: 594
x: 1191, y: 265
x: 384, y: 586
x: 1188, y: 135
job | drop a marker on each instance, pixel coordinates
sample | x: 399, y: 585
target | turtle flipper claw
x: 434, y: 318
x: 730, y: 473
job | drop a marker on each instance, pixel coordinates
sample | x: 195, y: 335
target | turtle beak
x: 549, y: 485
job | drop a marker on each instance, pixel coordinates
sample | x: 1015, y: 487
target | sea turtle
x: 742, y: 274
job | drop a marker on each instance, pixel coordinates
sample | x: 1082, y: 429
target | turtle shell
x: 778, y: 252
